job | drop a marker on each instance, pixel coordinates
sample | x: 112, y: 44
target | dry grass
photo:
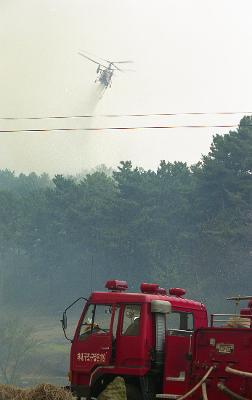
x: 115, y: 390
x: 40, y: 392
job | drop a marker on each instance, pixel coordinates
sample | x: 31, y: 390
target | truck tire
x: 133, y: 392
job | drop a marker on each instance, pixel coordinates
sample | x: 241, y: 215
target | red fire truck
x: 162, y: 345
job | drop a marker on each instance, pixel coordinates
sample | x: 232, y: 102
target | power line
x: 120, y: 128
x: 124, y: 115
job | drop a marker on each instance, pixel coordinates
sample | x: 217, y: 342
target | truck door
x: 179, y: 329
x: 92, y: 345
x: 130, y: 339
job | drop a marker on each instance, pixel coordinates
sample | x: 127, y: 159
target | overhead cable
x: 124, y: 115
x: 119, y: 128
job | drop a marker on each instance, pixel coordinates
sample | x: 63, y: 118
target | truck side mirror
x: 64, y: 317
x: 64, y: 321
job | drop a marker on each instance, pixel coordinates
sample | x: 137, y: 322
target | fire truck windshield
x: 96, y: 320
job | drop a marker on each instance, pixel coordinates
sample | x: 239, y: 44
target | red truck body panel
x: 187, y: 354
x: 223, y: 347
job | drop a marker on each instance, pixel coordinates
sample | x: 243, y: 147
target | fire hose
x: 230, y: 393
x: 204, y: 391
x: 191, y: 391
x: 220, y: 385
x: 238, y: 372
x: 201, y: 382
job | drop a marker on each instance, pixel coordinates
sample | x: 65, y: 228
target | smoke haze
x: 188, y: 56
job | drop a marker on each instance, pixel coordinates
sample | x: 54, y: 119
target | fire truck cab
x: 145, y: 337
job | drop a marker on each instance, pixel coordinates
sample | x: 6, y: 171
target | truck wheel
x: 133, y: 392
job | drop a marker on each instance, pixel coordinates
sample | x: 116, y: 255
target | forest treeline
x: 185, y: 226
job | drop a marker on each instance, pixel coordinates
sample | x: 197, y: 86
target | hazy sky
x: 189, y: 55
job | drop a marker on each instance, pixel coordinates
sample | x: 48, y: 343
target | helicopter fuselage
x: 105, y: 76
x: 105, y: 70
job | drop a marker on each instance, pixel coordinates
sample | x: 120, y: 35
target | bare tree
x: 16, y: 342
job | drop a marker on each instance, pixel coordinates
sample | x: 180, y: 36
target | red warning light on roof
x: 150, y: 288
x: 177, y: 292
x: 116, y: 286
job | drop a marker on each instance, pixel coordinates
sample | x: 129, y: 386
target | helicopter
x: 105, y: 72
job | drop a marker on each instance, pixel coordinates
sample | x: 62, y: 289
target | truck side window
x: 186, y: 321
x: 131, y: 320
x: 179, y: 321
x: 96, y: 320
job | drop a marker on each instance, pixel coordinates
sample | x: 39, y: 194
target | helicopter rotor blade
x: 93, y: 55
x: 116, y: 67
x: 122, y: 62
x: 83, y: 55
x: 119, y: 62
x: 114, y: 62
x: 104, y: 59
